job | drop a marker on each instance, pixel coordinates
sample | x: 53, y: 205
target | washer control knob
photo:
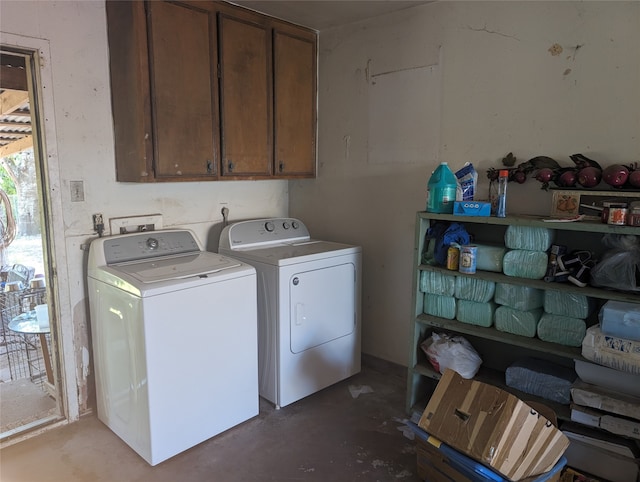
x: 152, y: 243
x: 295, y: 224
x: 286, y: 225
x: 269, y: 226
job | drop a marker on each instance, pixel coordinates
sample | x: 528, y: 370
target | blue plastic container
x: 469, y: 469
x: 620, y: 319
x: 441, y: 190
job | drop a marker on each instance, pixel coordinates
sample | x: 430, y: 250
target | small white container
x: 42, y: 315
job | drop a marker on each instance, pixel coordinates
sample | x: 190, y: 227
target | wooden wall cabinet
x: 294, y: 66
x: 184, y: 102
x: 499, y: 349
x: 130, y: 91
x: 208, y: 91
x: 245, y: 96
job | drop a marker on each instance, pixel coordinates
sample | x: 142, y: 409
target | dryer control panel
x: 263, y: 232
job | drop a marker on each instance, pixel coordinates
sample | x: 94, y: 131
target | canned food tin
x: 633, y: 218
x: 605, y: 212
x: 617, y: 214
x: 468, y: 259
x: 453, y: 257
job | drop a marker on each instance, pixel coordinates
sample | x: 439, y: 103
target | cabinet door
x: 294, y: 104
x: 245, y: 97
x: 183, y: 97
x: 129, y: 73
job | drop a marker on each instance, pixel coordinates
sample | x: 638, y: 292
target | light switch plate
x: 77, y: 191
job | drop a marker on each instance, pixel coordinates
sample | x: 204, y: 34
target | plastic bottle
x: 441, y: 190
x: 503, y: 179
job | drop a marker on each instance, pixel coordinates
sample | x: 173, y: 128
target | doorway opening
x: 29, y: 392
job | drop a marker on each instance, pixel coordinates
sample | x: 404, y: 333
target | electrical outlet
x: 135, y: 224
x: 98, y: 223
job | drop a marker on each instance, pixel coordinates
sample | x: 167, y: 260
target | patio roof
x: 15, y: 114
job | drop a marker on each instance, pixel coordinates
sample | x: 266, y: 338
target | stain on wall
x: 82, y: 346
x: 555, y: 49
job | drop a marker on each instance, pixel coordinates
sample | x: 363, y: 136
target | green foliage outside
x: 6, y: 183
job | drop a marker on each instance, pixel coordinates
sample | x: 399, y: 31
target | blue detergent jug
x: 441, y: 190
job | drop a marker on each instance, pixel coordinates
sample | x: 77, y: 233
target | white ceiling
x: 322, y: 14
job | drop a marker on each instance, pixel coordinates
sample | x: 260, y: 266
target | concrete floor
x: 23, y: 402
x: 352, y: 431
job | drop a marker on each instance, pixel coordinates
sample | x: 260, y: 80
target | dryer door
x: 322, y: 305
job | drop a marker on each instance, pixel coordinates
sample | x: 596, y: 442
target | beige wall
x: 499, y: 88
x: 79, y: 132
x: 491, y: 86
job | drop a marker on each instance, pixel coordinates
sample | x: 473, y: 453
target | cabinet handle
x: 281, y: 166
x: 230, y: 166
x: 209, y: 166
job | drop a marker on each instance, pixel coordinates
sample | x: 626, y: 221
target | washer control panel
x: 245, y: 234
x: 149, y: 244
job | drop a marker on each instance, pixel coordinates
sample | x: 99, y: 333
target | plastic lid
x: 504, y: 173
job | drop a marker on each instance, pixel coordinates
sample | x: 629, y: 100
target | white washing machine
x: 174, y: 333
x: 308, y: 306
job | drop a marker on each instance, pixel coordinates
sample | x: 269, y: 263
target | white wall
x: 82, y: 150
x: 500, y: 90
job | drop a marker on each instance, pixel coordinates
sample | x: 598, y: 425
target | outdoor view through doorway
x: 27, y: 384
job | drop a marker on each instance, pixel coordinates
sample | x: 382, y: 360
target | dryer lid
x: 200, y: 264
x: 293, y: 253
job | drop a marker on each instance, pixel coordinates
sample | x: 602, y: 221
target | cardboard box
x: 601, y: 454
x: 611, y: 423
x: 593, y: 396
x: 572, y: 475
x: 611, y: 351
x: 493, y: 427
x: 572, y: 202
x: 438, y: 462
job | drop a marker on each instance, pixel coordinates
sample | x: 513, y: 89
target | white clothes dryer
x: 174, y: 334
x: 309, y: 296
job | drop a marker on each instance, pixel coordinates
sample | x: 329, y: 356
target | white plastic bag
x: 619, y: 266
x: 455, y: 352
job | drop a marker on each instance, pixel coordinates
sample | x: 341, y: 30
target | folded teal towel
x: 475, y: 313
x: 525, y: 237
x: 474, y: 289
x: 519, y: 297
x: 574, y: 305
x: 437, y: 283
x: 522, y: 263
x: 442, y: 306
x: 564, y: 330
x: 523, y: 323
